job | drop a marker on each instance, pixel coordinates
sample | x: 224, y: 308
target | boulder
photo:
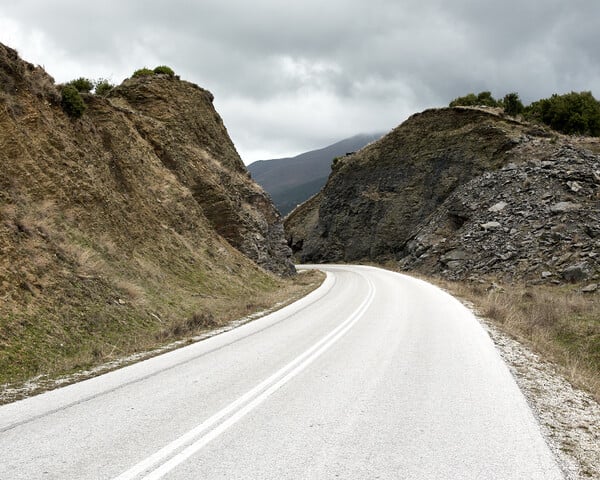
x: 490, y: 225
x: 576, y: 273
x: 498, y: 207
x: 455, y: 255
x: 562, y: 207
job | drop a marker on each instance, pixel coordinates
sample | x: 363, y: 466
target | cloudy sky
x: 293, y: 76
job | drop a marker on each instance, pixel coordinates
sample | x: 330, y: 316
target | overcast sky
x: 294, y: 76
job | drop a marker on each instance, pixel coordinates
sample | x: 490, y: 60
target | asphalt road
x: 372, y: 376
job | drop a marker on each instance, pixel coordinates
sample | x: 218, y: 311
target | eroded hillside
x: 461, y: 192
x: 117, y: 228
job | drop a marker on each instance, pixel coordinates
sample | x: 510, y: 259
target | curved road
x: 373, y: 375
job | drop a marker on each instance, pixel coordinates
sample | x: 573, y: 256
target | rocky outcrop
x: 461, y: 192
x: 119, y: 226
x: 178, y: 120
x: 538, y: 220
x: 376, y: 197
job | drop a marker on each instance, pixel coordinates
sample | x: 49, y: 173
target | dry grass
x: 137, y: 318
x: 558, y: 322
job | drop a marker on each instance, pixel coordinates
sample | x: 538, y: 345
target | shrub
x: 143, y: 72
x: 103, y: 87
x: 512, y: 104
x: 71, y: 102
x: 572, y: 113
x: 83, y: 85
x: 470, y: 100
x: 485, y: 98
x: 164, y: 70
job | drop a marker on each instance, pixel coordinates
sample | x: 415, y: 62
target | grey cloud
x: 370, y: 63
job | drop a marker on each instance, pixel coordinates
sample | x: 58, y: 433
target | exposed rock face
x: 460, y: 192
x: 124, y: 225
x: 533, y: 238
x: 376, y: 197
x: 179, y: 122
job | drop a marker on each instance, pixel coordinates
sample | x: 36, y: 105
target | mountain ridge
x: 292, y: 180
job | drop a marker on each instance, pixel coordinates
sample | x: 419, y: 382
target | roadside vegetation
x: 571, y: 113
x: 63, y: 342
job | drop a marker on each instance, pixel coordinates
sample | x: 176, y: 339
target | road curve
x: 373, y: 375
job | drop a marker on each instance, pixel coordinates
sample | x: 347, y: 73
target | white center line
x: 250, y: 399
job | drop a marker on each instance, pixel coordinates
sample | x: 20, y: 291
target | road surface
x: 373, y: 376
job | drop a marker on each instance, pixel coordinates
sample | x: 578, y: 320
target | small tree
x: 71, y: 102
x: 468, y: 100
x: 471, y: 100
x: 485, y: 98
x: 103, y: 87
x: 83, y: 85
x: 512, y: 104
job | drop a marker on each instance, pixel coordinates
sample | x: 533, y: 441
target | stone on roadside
x: 592, y: 287
x: 498, y: 207
x: 575, y: 273
x: 455, y: 255
x: 562, y: 207
x: 490, y: 225
x: 574, y: 186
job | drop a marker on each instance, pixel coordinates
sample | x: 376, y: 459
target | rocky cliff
x: 136, y: 214
x: 460, y: 191
x: 538, y: 219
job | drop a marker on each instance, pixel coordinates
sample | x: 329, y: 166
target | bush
x: 486, y: 99
x: 572, y: 113
x: 71, y: 101
x: 471, y: 100
x: 103, y: 87
x: 512, y: 104
x: 83, y: 85
x: 143, y: 72
x: 164, y: 70
x: 468, y: 100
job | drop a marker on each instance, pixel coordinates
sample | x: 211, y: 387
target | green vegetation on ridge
x: 571, y: 113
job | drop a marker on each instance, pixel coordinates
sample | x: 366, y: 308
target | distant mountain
x: 291, y: 181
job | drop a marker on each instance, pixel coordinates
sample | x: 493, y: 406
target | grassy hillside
x: 124, y: 228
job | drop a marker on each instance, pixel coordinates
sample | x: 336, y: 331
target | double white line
x: 167, y: 458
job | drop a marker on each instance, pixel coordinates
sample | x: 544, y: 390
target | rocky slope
x: 538, y: 219
x: 292, y: 181
x: 461, y: 192
x: 132, y: 217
